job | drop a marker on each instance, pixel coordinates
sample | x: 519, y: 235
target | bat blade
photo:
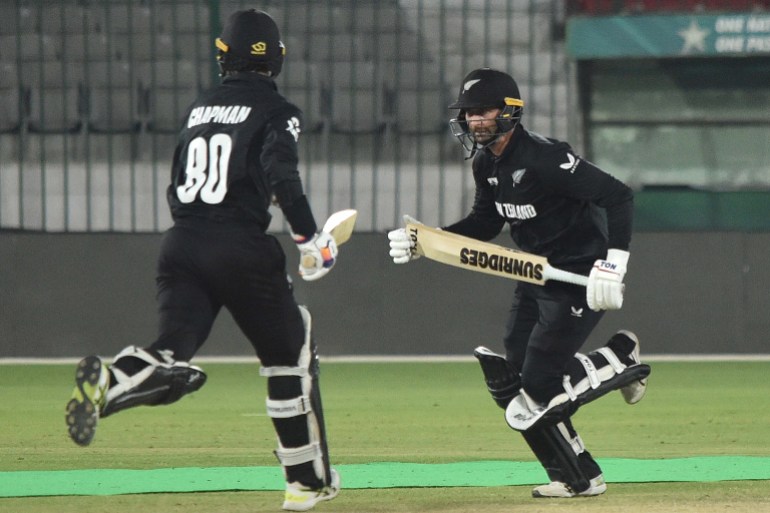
x: 340, y: 226
x: 484, y: 257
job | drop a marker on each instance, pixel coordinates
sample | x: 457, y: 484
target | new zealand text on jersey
x: 513, y: 211
x: 501, y: 264
x: 228, y: 114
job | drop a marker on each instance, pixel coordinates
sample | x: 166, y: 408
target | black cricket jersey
x: 237, y: 146
x: 557, y: 204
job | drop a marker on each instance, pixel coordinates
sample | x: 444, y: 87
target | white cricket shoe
x: 301, y: 498
x: 88, y: 397
x: 634, y: 392
x: 557, y: 489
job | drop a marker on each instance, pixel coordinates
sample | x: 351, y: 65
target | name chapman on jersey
x: 501, y: 264
x: 227, y: 114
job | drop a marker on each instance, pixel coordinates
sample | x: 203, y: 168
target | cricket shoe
x: 559, y: 490
x: 634, y: 392
x: 301, y: 498
x: 88, y: 397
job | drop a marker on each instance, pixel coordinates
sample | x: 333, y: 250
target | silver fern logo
x: 518, y: 175
x: 470, y: 83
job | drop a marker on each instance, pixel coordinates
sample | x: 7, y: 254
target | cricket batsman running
x: 560, y: 206
x: 237, y: 155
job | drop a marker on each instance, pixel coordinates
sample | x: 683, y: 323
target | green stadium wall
x: 689, y: 292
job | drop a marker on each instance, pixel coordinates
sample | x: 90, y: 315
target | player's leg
x: 563, y: 325
x: 159, y: 374
x: 503, y: 380
x: 143, y: 376
x: 558, y: 448
x: 546, y: 327
x: 294, y: 404
x: 587, y: 377
x: 553, y: 368
x: 136, y: 377
x: 556, y: 380
x: 282, y: 335
x: 571, y: 468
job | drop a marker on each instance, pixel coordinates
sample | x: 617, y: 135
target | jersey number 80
x: 206, y: 171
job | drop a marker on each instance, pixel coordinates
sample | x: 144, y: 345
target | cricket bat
x: 340, y: 226
x: 484, y: 257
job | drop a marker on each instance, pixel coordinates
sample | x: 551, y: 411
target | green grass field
x: 393, y: 412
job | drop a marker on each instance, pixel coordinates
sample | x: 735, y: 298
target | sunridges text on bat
x: 474, y: 255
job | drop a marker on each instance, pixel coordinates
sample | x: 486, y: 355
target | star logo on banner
x: 694, y: 38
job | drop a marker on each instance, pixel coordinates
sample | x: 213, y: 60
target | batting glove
x: 401, y: 246
x: 317, y: 255
x: 605, y: 283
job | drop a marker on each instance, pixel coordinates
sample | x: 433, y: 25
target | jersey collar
x: 256, y: 79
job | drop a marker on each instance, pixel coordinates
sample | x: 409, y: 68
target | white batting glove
x: 605, y: 283
x: 317, y: 255
x: 401, y: 246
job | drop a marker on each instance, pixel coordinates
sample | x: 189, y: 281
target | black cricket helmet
x: 486, y: 88
x: 250, y: 41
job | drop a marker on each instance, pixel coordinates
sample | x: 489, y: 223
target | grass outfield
x: 398, y: 412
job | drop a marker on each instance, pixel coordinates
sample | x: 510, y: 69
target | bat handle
x: 551, y: 273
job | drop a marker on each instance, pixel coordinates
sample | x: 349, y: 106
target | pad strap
x: 283, y: 409
x: 591, y: 375
x: 590, y: 368
x: 578, y: 447
x: 270, y: 372
x: 298, y: 455
x: 612, y: 359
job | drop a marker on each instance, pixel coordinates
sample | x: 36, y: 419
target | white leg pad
x: 523, y: 412
x: 302, y: 405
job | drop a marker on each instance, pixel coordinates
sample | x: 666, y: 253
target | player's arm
x: 483, y: 223
x: 477, y: 226
x: 572, y: 176
x: 568, y: 174
x: 605, y: 287
x: 280, y: 161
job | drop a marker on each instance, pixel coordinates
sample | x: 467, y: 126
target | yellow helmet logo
x: 259, y: 48
x: 221, y: 45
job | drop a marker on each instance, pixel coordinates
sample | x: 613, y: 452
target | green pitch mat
x: 372, y: 475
